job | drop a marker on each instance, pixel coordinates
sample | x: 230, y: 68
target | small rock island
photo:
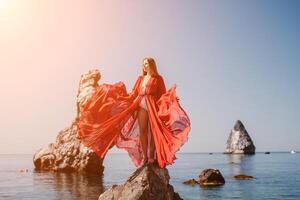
x: 239, y: 141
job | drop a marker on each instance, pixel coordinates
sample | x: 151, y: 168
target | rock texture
x: 67, y: 154
x: 148, y: 182
x: 239, y: 141
x: 88, y: 83
x: 211, y: 177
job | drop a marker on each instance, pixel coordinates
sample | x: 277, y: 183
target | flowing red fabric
x: 109, y: 118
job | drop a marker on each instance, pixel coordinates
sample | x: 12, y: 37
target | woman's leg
x: 152, y: 148
x: 143, y: 124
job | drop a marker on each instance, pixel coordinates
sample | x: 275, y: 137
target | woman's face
x: 146, y: 66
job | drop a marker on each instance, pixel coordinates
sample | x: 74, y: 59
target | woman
x: 148, y: 123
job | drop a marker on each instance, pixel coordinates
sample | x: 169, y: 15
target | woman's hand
x: 120, y: 98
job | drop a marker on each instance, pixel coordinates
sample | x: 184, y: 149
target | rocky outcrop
x: 146, y: 183
x: 88, y: 83
x: 239, y: 141
x: 67, y: 153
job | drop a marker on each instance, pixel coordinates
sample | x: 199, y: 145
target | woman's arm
x: 161, y: 87
x: 134, y: 92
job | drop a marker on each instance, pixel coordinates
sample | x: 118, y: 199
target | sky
x: 230, y: 60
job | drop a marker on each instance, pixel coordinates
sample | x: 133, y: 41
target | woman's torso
x: 144, y: 83
x: 143, y: 91
x: 150, y: 86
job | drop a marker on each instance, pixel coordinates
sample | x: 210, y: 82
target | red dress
x: 109, y: 118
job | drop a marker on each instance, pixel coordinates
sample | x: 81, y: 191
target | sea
x: 277, y: 176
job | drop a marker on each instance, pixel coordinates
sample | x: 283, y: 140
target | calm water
x: 277, y: 177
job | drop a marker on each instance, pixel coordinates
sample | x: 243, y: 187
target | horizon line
x: 201, y: 152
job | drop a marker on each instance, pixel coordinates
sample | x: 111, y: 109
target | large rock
x: 239, y: 141
x: 68, y: 154
x: 147, y: 182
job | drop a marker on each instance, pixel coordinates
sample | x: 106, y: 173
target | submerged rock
x: 147, y: 182
x: 239, y: 141
x: 191, y: 182
x: 211, y: 177
x: 68, y: 154
x: 243, y: 177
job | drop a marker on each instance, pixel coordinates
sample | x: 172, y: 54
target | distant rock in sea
x: 68, y: 154
x: 243, y: 177
x: 23, y: 170
x: 147, y: 182
x: 239, y: 141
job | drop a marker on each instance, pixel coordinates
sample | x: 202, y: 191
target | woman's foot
x: 151, y: 160
x: 145, y: 161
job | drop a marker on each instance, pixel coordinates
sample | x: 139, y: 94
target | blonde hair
x: 152, y: 66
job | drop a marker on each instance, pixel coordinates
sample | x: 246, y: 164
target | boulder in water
x: 211, y: 177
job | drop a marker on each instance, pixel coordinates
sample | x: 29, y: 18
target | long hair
x: 152, y: 66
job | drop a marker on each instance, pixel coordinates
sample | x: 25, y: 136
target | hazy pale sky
x: 230, y: 60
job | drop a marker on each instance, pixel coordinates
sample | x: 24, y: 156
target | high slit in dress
x: 143, y: 105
